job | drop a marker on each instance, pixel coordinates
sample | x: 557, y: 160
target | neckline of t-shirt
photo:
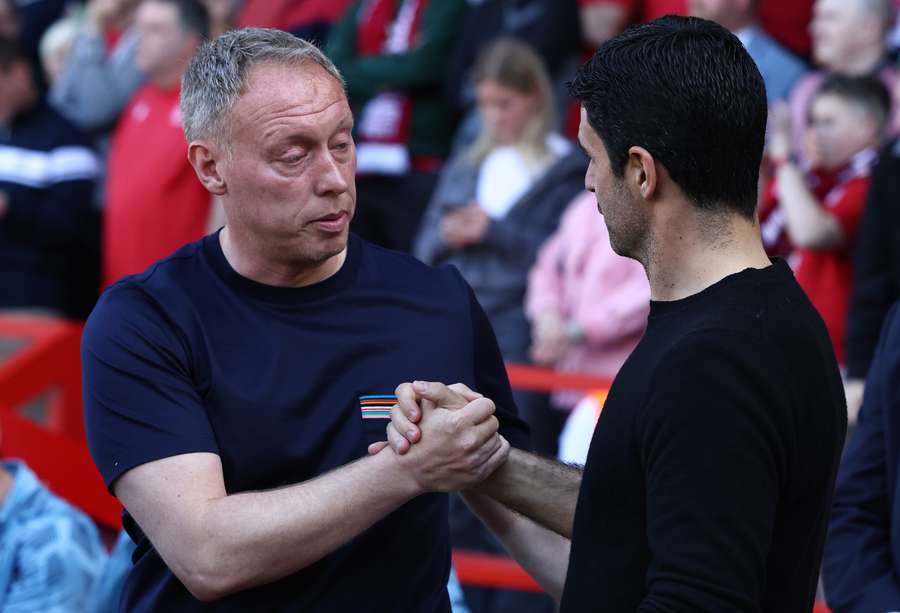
x: 779, y: 267
x: 283, y: 295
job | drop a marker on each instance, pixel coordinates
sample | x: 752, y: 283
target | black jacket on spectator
x: 497, y: 267
x: 49, y: 234
x: 877, y: 263
x: 862, y: 553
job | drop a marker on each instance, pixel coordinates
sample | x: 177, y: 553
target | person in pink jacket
x: 588, y: 306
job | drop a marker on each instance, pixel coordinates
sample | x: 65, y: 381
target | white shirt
x: 505, y: 176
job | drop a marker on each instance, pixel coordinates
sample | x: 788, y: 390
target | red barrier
x: 536, y: 379
x: 45, y: 363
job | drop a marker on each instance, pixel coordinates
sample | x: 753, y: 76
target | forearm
x: 807, y: 222
x: 539, y: 488
x: 542, y: 553
x: 255, y: 538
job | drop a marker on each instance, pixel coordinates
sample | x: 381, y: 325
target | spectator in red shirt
x: 822, y: 207
x: 154, y: 201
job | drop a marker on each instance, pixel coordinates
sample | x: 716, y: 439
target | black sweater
x: 710, y: 476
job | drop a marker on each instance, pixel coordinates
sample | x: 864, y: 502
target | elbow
x: 206, y: 576
x: 207, y: 586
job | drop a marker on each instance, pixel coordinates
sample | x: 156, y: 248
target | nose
x: 330, y: 179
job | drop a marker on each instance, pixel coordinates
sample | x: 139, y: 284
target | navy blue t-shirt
x: 189, y: 356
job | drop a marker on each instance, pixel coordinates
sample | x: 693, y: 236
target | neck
x: 863, y: 63
x: 250, y: 261
x: 691, y: 250
x: 6, y: 483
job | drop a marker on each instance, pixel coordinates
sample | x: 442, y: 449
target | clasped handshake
x: 446, y: 437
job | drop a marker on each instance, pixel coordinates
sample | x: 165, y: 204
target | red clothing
x: 827, y: 276
x: 154, y: 201
x: 787, y: 21
x: 287, y: 14
x: 653, y: 9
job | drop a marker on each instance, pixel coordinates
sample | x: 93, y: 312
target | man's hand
x: 466, y: 226
x: 455, y: 434
x: 551, y: 338
x: 781, y: 135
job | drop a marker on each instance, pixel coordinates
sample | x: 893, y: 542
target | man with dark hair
x: 48, y: 228
x: 711, y: 471
x: 154, y: 203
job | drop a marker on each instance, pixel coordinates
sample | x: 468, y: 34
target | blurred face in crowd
x: 164, y: 47
x: 505, y: 111
x: 9, y: 21
x: 840, y: 29
x: 17, y: 90
x: 290, y: 176
x: 626, y: 218
x: 838, y: 130
x: 733, y: 14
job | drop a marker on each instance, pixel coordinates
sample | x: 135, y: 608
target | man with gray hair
x: 232, y: 389
x: 849, y: 37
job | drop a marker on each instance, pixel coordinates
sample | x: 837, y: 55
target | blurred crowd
x: 467, y: 155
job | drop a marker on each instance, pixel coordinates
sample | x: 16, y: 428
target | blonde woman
x: 499, y: 199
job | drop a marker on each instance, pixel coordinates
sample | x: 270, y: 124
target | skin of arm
x: 529, y: 502
x: 218, y: 544
x: 808, y: 224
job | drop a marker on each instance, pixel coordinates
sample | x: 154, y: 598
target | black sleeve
x: 713, y: 465
x: 875, y: 287
x: 858, y: 567
x: 491, y: 379
x: 140, y: 403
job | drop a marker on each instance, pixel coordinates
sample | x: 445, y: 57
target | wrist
x: 398, y: 472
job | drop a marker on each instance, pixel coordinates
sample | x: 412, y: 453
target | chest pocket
x: 375, y: 412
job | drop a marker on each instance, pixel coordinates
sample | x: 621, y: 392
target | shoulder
x: 151, y: 300
x: 406, y: 274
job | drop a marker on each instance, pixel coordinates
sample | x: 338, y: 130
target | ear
x: 640, y: 172
x: 204, y: 157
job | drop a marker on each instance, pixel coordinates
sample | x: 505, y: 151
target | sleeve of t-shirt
x: 140, y: 403
x: 849, y: 208
x: 713, y: 462
x: 491, y: 379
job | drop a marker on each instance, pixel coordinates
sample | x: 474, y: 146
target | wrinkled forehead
x: 301, y: 93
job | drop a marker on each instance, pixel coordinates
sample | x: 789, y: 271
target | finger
x: 408, y: 402
x: 465, y: 391
x: 398, y: 443
x: 497, y: 459
x: 488, y: 449
x: 374, y: 448
x: 477, y: 411
x: 485, y: 430
x: 440, y: 394
x: 403, y: 426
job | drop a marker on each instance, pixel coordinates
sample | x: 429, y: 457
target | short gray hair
x: 217, y: 76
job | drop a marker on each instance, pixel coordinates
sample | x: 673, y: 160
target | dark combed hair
x: 10, y: 52
x: 193, y: 16
x: 867, y: 92
x: 685, y: 90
